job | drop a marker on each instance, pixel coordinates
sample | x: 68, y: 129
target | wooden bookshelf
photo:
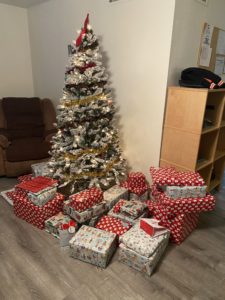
x: 194, y: 132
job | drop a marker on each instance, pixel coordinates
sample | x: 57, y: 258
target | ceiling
x: 23, y: 3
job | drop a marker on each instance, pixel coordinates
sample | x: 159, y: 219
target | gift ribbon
x: 66, y: 226
x: 72, y: 102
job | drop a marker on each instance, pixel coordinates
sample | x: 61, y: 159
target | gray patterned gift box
x: 93, y: 246
x: 42, y: 197
x: 143, y: 197
x: 40, y: 169
x: 114, y: 194
x: 141, y: 251
x: 86, y: 215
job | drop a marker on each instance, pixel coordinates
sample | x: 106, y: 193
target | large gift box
x: 137, y: 186
x: 180, y: 225
x: 86, y: 199
x: 26, y: 210
x: 141, y: 251
x: 184, y: 205
x: 62, y: 227
x: 93, y: 245
x: 114, y: 194
x: 113, y: 225
x: 171, y: 177
x: 40, y: 169
x: 85, y: 215
x: 129, y: 211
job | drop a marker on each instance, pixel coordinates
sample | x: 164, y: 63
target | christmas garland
x: 73, y: 102
x: 73, y: 157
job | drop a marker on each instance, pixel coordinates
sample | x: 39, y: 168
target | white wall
x: 15, y: 59
x: 188, y: 23
x: 136, y: 39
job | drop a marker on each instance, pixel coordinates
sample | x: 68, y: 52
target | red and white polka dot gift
x: 26, y: 210
x: 171, y: 177
x: 24, y: 178
x: 136, y: 183
x: 86, y: 199
x: 114, y: 225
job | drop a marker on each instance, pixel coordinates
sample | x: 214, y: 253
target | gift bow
x: 66, y: 226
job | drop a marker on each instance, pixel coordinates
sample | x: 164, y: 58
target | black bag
x: 200, y: 78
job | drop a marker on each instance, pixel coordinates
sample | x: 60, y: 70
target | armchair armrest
x: 49, y: 134
x: 4, y: 142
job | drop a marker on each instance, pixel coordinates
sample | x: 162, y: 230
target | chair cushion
x: 27, y: 149
x: 23, y: 117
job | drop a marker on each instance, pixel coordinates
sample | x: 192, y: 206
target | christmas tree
x: 85, y: 150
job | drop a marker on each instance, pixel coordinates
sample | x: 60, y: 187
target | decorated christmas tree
x: 85, y: 150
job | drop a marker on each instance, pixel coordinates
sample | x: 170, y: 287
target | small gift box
x: 37, y: 184
x: 113, y: 225
x: 114, y: 194
x: 85, y: 215
x: 152, y: 227
x: 141, y: 251
x: 129, y: 211
x: 42, y: 197
x: 86, y: 199
x: 93, y: 246
x: 40, y: 169
x: 137, y: 186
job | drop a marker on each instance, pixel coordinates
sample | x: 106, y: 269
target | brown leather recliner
x: 26, y: 128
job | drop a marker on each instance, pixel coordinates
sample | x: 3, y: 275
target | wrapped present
x: 136, y: 184
x: 139, y: 262
x: 86, y: 199
x: 152, y: 227
x: 37, y: 184
x: 43, y: 196
x: 171, y: 177
x: 62, y: 227
x: 136, y: 196
x: 129, y: 211
x: 114, y: 194
x: 113, y: 225
x: 176, y: 192
x: 85, y: 215
x: 142, y: 243
x: 183, y: 205
x: 26, y: 210
x: 24, y: 178
x: 93, y: 245
x: 180, y: 225
x: 40, y: 169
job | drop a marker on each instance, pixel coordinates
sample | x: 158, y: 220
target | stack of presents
x: 134, y: 218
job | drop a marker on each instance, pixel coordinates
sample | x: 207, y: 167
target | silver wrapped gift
x: 176, y: 192
x: 139, y: 262
x: 40, y: 169
x: 86, y: 215
x: 42, y: 197
x: 93, y: 245
x: 143, y: 197
x: 141, y: 251
x: 114, y: 194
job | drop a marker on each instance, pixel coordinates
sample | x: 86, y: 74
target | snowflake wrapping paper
x: 93, y: 246
x: 86, y: 199
x: 184, y: 205
x: 180, y: 225
x: 113, y: 225
x: 35, y: 215
x: 171, y: 177
x: 85, y: 215
x: 114, y: 194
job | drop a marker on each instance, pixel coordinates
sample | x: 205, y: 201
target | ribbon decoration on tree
x: 83, y: 31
